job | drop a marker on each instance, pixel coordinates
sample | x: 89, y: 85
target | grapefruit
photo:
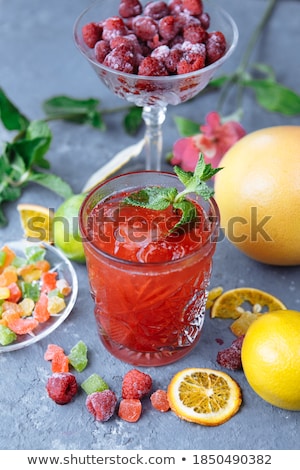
x: 258, y: 194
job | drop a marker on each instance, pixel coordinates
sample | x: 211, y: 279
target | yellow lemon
x: 257, y: 192
x: 204, y: 396
x: 271, y: 358
x: 66, y: 228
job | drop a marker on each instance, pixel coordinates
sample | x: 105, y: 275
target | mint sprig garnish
x: 160, y: 198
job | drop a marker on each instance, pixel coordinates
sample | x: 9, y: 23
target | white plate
x: 64, y: 268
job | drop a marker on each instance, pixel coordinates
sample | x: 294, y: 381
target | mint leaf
x: 133, y: 120
x: 10, y: 116
x: 152, y: 198
x: 159, y: 198
x: 75, y: 110
x: 186, y: 127
x: 52, y: 182
x: 275, y: 97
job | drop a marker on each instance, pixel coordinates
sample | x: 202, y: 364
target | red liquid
x: 150, y: 303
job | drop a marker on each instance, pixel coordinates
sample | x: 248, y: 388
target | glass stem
x: 154, y: 117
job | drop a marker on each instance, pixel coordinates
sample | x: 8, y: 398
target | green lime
x: 66, y: 228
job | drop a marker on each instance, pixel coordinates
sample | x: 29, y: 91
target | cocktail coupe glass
x: 154, y: 94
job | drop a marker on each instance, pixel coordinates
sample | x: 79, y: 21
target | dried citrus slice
x: 204, y: 396
x: 230, y: 303
x: 37, y: 221
x: 213, y: 294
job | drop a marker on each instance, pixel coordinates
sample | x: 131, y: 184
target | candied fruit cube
x: 78, y: 356
x: 27, y: 306
x: 60, y: 362
x: 4, y: 293
x: 130, y: 409
x: 55, y: 304
x: 52, y: 349
x: 94, y: 383
x: 15, y: 293
x: 41, y: 312
x: 22, y: 326
x: 48, y: 281
x: 7, y: 336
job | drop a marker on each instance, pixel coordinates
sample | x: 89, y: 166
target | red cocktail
x: 148, y: 282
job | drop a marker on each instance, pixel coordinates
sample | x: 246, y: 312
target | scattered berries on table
x: 62, y: 387
x: 102, y: 404
x: 136, y: 384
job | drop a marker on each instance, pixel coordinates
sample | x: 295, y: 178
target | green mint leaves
x: 160, y: 198
x: 23, y: 159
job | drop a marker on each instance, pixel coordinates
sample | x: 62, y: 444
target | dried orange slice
x: 231, y: 303
x: 204, y: 396
x: 213, y: 294
x: 37, y: 222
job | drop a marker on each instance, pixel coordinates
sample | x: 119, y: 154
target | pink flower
x: 214, y: 141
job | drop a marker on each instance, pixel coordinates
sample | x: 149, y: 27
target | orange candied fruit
x: 130, y: 409
x: 159, y: 400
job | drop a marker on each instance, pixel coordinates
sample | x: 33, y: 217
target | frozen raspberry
x: 62, y: 387
x: 156, y: 10
x: 168, y: 27
x: 215, y: 46
x: 194, y: 7
x: 121, y: 58
x: 130, y: 42
x: 150, y: 66
x: 136, y: 384
x: 193, y: 58
x: 91, y: 33
x: 129, y: 8
x: 101, y: 405
x: 101, y: 50
x: 230, y: 358
x: 156, y: 42
x: 130, y: 410
x: 194, y: 33
x: 175, y: 6
x: 204, y: 20
x: 159, y: 400
x: 161, y: 53
x: 172, y: 60
x: 144, y: 27
x: 112, y: 27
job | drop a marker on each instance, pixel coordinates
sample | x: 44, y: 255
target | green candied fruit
x: 94, y: 383
x: 78, y: 356
x: 7, y: 336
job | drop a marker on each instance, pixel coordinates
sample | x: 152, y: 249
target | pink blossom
x: 213, y: 141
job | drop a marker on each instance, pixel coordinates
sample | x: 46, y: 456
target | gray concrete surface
x: 38, y: 60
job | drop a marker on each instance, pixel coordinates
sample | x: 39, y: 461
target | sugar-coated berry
x: 101, y: 50
x: 120, y: 58
x: 194, y: 7
x: 194, y: 33
x: 136, y: 384
x: 168, y: 27
x: 112, y: 27
x: 150, y: 66
x: 144, y: 27
x: 159, y: 400
x: 215, y: 46
x: 156, y: 10
x: 130, y: 410
x: 62, y: 387
x: 129, y: 8
x: 91, y: 33
x: 102, y: 405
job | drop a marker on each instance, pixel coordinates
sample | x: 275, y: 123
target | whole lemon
x: 66, y: 228
x: 271, y: 358
x: 258, y: 194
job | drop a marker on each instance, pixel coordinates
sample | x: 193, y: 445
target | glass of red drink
x: 148, y: 282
